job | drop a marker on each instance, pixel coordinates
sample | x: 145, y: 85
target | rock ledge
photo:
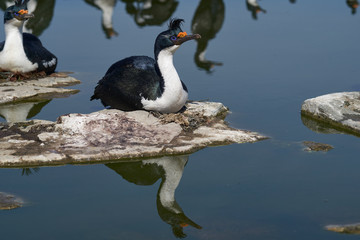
x: 341, y: 110
x: 113, y: 134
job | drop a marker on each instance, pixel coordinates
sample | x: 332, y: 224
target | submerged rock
x: 314, y: 146
x: 114, y: 134
x: 341, y: 110
x: 8, y: 201
x: 349, y: 228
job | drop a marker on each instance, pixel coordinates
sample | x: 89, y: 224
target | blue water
x: 266, y: 190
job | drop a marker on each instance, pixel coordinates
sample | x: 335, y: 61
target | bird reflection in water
x: 20, y: 112
x: 207, y: 21
x: 254, y: 7
x: 42, y: 9
x: 107, y: 10
x: 353, y: 4
x: 150, y: 12
x: 169, y: 170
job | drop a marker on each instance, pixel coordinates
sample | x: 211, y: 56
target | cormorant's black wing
x: 128, y: 81
x: 36, y: 53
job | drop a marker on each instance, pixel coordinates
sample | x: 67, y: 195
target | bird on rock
x: 141, y: 82
x: 23, y: 53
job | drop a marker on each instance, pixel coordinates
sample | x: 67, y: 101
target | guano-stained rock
x: 341, y: 110
x: 36, y: 89
x: 113, y: 134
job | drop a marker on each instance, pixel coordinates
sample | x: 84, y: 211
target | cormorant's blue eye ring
x: 173, y: 38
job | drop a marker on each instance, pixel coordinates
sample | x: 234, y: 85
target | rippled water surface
x: 262, y: 65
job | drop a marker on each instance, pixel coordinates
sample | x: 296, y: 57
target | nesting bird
x: 23, y: 52
x: 141, y: 82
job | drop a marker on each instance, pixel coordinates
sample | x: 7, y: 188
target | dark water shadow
x: 170, y: 170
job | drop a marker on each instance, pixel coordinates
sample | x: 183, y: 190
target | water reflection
x: 29, y: 171
x: 254, y: 7
x: 292, y: 1
x: 324, y: 128
x: 170, y: 170
x: 43, y: 11
x: 207, y: 21
x: 353, y: 4
x: 20, y: 112
x: 107, y: 10
x: 150, y: 12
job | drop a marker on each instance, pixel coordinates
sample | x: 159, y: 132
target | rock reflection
x: 20, y: 112
x: 353, y: 4
x: 170, y: 170
x: 107, y: 10
x: 150, y: 12
x: 321, y: 127
x: 292, y: 1
x: 254, y: 7
x: 207, y: 21
x: 42, y: 9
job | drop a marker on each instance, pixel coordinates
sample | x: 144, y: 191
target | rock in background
x: 341, y: 110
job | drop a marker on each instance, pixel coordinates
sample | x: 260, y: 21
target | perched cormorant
x: 140, y: 82
x: 23, y: 52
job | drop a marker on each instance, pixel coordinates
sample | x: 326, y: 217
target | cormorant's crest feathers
x: 21, y: 2
x: 175, y: 23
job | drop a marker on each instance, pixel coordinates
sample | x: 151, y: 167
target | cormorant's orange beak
x: 23, y: 15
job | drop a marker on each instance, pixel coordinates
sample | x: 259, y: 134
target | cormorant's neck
x: 164, y: 60
x: 13, y: 34
x: 173, y: 168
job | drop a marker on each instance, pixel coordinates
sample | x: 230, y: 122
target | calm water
x: 263, y: 70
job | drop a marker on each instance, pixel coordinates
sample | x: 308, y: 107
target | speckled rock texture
x: 348, y: 228
x: 113, y: 134
x: 36, y: 89
x: 8, y: 201
x: 341, y: 110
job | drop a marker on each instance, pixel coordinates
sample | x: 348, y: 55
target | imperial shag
x: 23, y: 52
x: 140, y: 82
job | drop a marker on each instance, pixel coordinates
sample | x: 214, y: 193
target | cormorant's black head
x: 18, y: 11
x: 174, y: 36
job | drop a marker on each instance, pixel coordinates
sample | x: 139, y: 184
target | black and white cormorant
x: 23, y: 52
x: 140, y: 82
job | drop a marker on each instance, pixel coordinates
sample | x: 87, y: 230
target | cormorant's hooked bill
x: 18, y: 11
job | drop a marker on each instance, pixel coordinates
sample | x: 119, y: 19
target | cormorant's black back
x: 36, y: 53
x: 131, y: 75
